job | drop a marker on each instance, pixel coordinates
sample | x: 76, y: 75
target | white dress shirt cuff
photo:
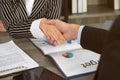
x: 79, y: 33
x: 35, y: 29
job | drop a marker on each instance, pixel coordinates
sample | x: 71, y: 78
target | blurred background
x: 90, y: 12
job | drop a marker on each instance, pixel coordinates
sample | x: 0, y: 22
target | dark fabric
x: 16, y: 21
x: 93, y: 38
x: 39, y: 73
x: 110, y: 60
x: 108, y: 46
x: 33, y: 74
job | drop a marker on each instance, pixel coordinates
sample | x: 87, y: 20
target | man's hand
x: 52, y: 34
x: 2, y: 29
x: 69, y: 31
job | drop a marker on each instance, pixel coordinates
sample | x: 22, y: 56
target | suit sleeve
x: 93, y: 38
x: 110, y: 60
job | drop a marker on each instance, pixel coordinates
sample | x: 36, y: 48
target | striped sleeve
x: 54, y: 9
x: 17, y: 22
x: 0, y: 10
x: 20, y: 30
x: 16, y: 27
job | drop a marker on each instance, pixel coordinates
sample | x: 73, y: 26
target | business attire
x: 107, y: 43
x: 20, y: 19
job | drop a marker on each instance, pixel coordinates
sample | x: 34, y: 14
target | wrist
x: 75, y: 29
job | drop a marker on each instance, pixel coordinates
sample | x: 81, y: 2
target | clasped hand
x: 58, y: 32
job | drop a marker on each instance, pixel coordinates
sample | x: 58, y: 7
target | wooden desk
x: 34, y: 53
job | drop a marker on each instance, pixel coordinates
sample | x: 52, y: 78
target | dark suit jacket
x: 16, y: 20
x: 107, y: 43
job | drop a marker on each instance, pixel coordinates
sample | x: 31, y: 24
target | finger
x: 60, y: 36
x: 60, y: 39
x: 50, y: 37
x: 52, y: 42
x: 61, y: 42
x: 55, y: 43
x: 53, y: 34
x: 47, y: 37
x: 51, y: 22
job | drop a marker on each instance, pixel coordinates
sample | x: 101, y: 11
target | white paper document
x: 13, y: 59
x: 72, y: 60
x: 47, y: 48
x: 82, y: 62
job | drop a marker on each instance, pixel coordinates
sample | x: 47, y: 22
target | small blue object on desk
x: 46, y: 41
x: 69, y: 41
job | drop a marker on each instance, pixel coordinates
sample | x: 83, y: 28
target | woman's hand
x: 52, y: 34
x: 2, y: 29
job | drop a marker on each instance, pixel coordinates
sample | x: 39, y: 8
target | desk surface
x: 34, y: 53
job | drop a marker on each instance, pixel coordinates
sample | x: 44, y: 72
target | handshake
x: 58, y: 32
